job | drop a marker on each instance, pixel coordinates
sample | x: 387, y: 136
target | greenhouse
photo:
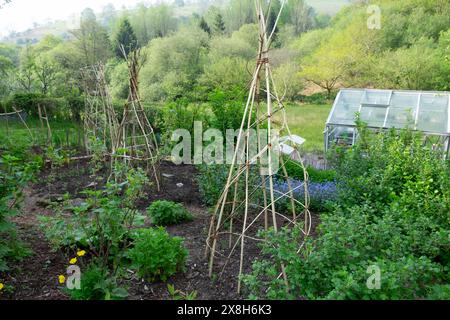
x: 425, y: 111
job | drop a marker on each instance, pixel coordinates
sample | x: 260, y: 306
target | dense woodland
x: 188, y: 59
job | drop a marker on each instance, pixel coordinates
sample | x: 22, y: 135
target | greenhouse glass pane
x: 351, y: 96
x: 402, y: 110
x: 378, y: 97
x: 433, y: 113
x: 373, y: 115
x: 346, y: 107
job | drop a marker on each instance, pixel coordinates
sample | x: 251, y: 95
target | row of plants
x: 391, y: 214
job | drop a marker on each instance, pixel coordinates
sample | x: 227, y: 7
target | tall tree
x: 300, y: 15
x: 26, y: 75
x: 204, y: 26
x: 125, y: 37
x: 91, y: 39
x: 219, y: 24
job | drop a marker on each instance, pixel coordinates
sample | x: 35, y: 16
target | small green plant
x: 156, y: 255
x: 180, y: 295
x: 97, y: 284
x: 164, y: 213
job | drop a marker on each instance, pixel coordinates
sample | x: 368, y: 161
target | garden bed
x: 36, y: 277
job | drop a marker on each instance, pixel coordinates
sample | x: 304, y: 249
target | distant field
x: 330, y: 7
x: 308, y: 121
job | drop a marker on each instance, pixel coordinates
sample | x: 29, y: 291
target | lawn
x: 308, y: 121
x: 63, y: 132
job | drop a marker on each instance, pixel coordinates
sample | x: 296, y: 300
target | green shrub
x: 164, y: 213
x: 156, y: 255
x: 227, y: 107
x: 393, y: 212
x: 316, y: 175
x: 76, y: 106
x: 318, y: 98
x: 211, y: 180
x: 96, y: 284
x: 29, y: 102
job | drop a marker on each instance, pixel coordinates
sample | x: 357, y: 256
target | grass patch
x: 308, y: 121
x: 63, y: 132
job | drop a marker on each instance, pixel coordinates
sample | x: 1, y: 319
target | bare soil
x: 36, y: 277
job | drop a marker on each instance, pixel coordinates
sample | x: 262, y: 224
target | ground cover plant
x: 165, y: 213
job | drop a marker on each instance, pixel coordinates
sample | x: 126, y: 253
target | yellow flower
x: 81, y: 253
x: 1, y: 286
x: 73, y: 260
x: 61, y: 279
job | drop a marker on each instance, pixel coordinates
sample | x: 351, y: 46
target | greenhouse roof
x: 421, y: 110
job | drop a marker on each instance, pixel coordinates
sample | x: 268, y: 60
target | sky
x: 19, y: 15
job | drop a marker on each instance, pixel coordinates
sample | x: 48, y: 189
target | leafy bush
x: 227, y: 108
x: 164, y: 213
x: 156, y: 255
x: 29, y: 102
x: 96, y: 284
x: 393, y: 213
x: 76, y: 105
x: 318, y: 98
x: 296, y: 172
x: 211, y: 180
x: 181, y: 114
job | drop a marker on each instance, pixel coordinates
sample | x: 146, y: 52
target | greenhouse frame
x: 425, y: 111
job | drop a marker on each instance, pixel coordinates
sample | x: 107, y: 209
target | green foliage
x: 125, y: 38
x: 173, y: 64
x: 404, y: 53
x: 296, y: 172
x: 179, y: 295
x: 156, y: 255
x: 29, y: 102
x: 15, y: 172
x: 211, y: 179
x: 97, y: 284
x: 164, y: 213
x: 181, y: 114
x: 288, y: 80
x: 393, y: 213
x: 204, y: 26
x: 102, y: 224
x: 227, y: 108
x: 76, y: 106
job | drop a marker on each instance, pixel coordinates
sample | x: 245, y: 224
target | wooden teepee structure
x: 138, y: 135
x: 130, y: 138
x: 239, y: 214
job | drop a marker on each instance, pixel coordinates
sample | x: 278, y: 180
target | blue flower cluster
x: 319, y: 192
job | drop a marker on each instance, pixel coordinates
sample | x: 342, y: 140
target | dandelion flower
x: 1, y: 286
x: 61, y: 279
x: 81, y: 253
x: 73, y: 260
